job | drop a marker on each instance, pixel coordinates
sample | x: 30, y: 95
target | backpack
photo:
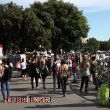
x: 7, y: 74
x: 54, y: 68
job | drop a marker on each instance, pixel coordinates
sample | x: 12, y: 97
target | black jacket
x: 32, y: 68
x: 7, y: 74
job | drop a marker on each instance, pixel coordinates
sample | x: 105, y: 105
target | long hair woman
x: 63, y: 73
x: 43, y: 72
x: 84, y: 69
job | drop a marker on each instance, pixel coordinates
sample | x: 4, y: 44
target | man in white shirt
x: 23, y: 68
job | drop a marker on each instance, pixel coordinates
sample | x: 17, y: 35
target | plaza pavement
x: 74, y: 100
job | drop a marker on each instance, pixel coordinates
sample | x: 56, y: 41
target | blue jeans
x: 84, y: 80
x: 5, y: 86
x: 74, y: 75
x: 70, y: 70
x: 63, y: 81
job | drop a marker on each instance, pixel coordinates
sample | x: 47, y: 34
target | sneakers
x: 37, y: 87
x: 4, y: 101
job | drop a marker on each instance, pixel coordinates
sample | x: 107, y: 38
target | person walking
x: 63, y: 74
x: 23, y: 69
x: 5, y: 80
x: 55, y: 73
x: 69, y: 62
x: 34, y: 73
x: 74, y: 70
x: 94, y: 71
x: 43, y: 72
x: 85, y: 73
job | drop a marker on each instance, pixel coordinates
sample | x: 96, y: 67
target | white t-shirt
x: 69, y: 63
x: 23, y: 65
x: 58, y: 64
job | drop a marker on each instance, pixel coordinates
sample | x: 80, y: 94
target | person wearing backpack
x: 5, y: 80
x: 55, y: 73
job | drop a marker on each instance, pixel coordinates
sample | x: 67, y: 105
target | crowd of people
x: 76, y: 66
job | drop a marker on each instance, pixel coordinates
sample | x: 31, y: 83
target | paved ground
x: 73, y: 100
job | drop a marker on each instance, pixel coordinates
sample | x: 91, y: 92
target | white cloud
x: 82, y: 3
x: 86, y: 5
x: 91, y: 5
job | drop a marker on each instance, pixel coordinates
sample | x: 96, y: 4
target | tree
x: 69, y: 25
x: 10, y: 24
x: 93, y: 44
x: 53, y: 24
x: 30, y: 31
x: 108, y: 44
x: 105, y: 45
x: 47, y: 24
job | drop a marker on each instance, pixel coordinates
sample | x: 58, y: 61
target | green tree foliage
x: 10, y: 24
x: 53, y: 24
x: 93, y: 44
x: 108, y: 44
x: 69, y: 24
x: 30, y: 30
x: 105, y: 45
x: 47, y: 24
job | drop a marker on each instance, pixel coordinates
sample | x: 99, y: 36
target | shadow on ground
x: 77, y: 105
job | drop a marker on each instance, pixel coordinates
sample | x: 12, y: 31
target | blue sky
x: 97, y: 13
